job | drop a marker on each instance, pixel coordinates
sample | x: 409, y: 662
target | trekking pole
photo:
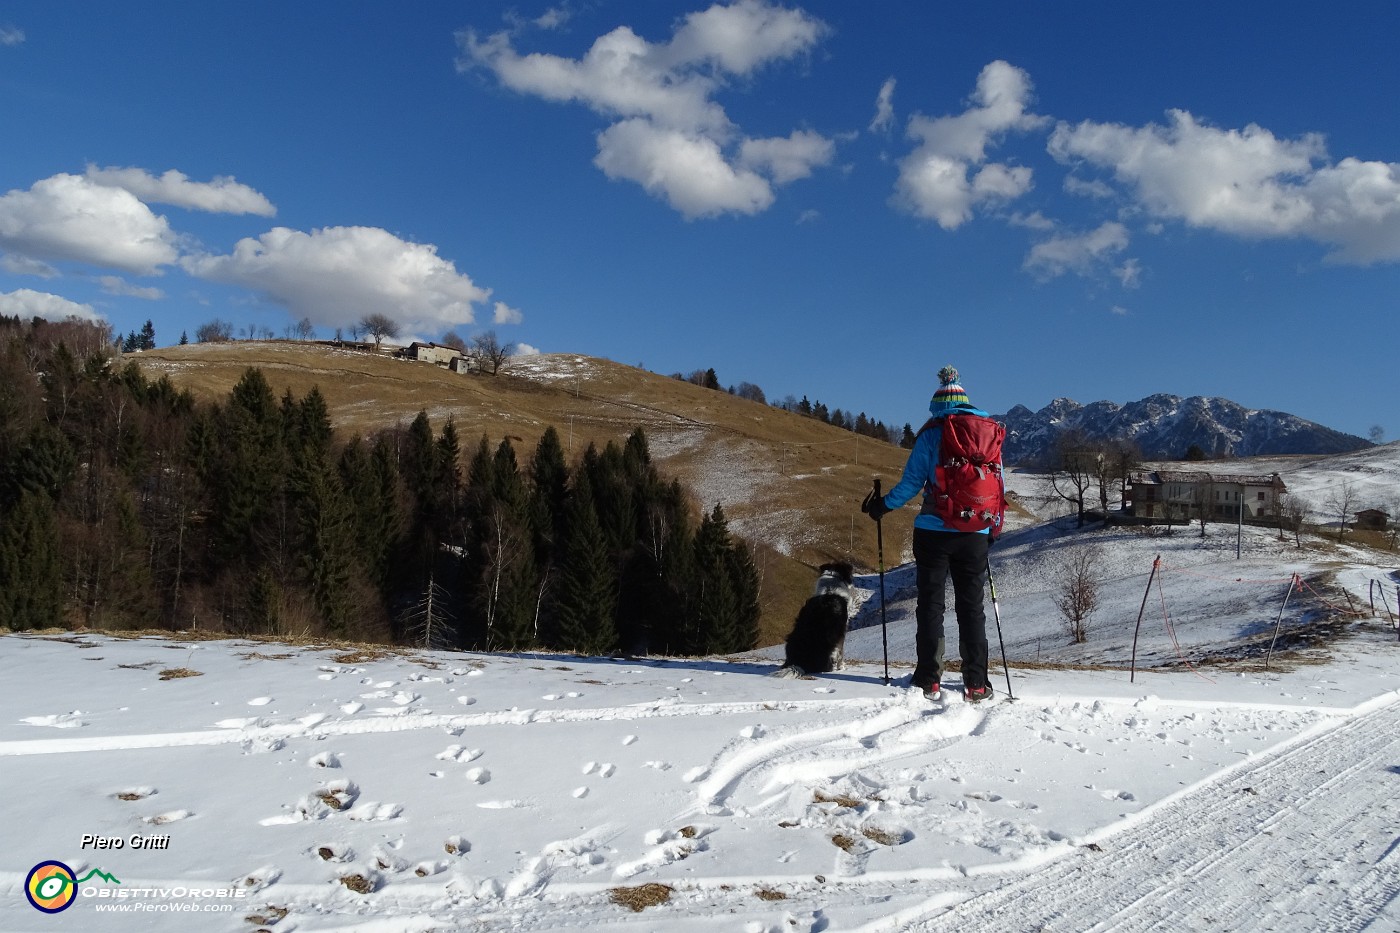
x: 996, y: 613
x: 880, y: 554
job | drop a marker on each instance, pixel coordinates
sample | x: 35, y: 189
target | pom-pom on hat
x: 950, y: 394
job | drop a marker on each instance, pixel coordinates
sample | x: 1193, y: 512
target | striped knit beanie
x: 949, y: 395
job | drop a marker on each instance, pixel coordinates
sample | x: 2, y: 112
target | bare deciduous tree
x: 489, y: 353
x: 379, y: 326
x: 1293, y: 510
x: 1340, y: 501
x: 1076, y: 464
x: 1076, y: 594
x: 215, y: 331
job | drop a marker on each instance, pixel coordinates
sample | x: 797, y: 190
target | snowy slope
x: 494, y: 793
x: 324, y: 788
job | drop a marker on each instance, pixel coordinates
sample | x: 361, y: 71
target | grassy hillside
x: 790, y: 485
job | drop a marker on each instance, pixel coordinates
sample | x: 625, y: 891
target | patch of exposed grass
x: 175, y: 673
x: 843, y: 800
x: 844, y: 842
x: 269, y: 916
x: 640, y: 898
x: 357, y: 883
x: 768, y: 894
x: 885, y: 837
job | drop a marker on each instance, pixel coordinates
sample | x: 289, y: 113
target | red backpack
x: 968, y: 492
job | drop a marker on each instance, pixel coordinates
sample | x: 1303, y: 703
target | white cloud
x: 1080, y: 254
x: 884, y: 108
x: 619, y: 76
x: 223, y: 195
x: 742, y: 37
x: 1032, y: 221
x: 1096, y: 188
x: 1119, y: 310
x: 672, y: 137
x: 26, y: 303
x: 809, y: 216
x: 505, y: 314
x: 116, y: 285
x: 524, y: 349
x: 68, y: 217
x: 689, y: 171
x: 936, y: 180
x: 1129, y: 274
x: 789, y: 158
x: 337, y: 275
x: 23, y: 265
x: 11, y: 35
x: 1247, y: 182
x: 554, y: 18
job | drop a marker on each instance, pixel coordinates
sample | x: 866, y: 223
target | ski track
x: 853, y: 767
x: 1167, y: 872
x: 255, y: 730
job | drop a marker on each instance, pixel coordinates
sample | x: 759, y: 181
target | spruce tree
x: 714, y: 603
x: 587, y: 596
x: 31, y: 580
x: 549, y: 478
x: 325, y: 542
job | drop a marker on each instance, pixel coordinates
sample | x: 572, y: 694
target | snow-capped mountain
x: 1164, y: 426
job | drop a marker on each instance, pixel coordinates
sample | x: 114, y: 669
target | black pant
x: 963, y: 556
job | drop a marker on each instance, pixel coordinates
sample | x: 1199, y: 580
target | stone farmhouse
x: 1179, y: 495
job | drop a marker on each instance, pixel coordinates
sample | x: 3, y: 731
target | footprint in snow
x: 169, y: 816
x: 374, y: 812
x: 57, y: 720
x: 134, y: 793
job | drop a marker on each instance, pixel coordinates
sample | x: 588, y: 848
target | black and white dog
x: 817, y: 643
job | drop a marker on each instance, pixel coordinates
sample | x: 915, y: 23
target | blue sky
x: 1089, y: 200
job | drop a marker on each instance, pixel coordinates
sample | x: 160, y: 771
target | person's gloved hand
x: 874, y: 506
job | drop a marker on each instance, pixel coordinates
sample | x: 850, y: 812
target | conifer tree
x: 588, y: 581
x: 549, y: 477
x: 714, y: 603
x: 325, y: 542
x: 31, y: 579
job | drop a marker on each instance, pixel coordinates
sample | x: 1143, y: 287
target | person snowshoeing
x: 941, y: 549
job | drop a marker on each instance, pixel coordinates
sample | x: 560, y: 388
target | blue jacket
x: 918, y: 472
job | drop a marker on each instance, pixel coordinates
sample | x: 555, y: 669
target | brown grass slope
x: 790, y: 485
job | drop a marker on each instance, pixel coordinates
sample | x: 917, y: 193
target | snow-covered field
x: 259, y: 786
x: 325, y: 789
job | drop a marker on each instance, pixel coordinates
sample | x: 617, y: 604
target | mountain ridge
x: 1165, y: 426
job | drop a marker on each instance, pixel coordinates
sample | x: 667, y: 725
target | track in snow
x: 1267, y: 847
